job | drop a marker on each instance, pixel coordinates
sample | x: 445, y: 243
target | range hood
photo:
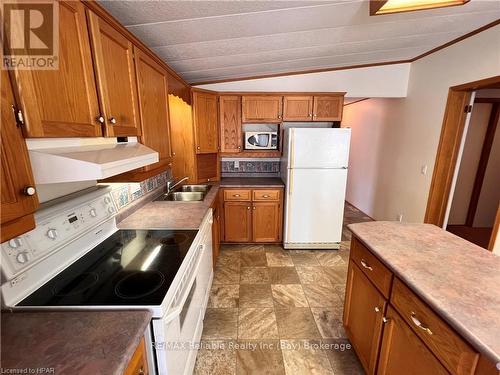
x: 83, y: 159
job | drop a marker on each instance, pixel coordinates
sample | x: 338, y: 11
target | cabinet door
x: 363, y: 311
x: 116, y: 81
x: 216, y: 230
x: 152, y: 83
x: 328, y: 108
x: 16, y: 206
x: 230, y: 123
x: 62, y: 102
x: 402, y: 352
x: 262, y: 108
x: 138, y: 364
x: 237, y: 221
x: 266, y: 222
x: 297, y: 108
x: 205, y: 122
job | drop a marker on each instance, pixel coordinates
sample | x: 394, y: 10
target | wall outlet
x: 400, y: 218
x: 236, y: 164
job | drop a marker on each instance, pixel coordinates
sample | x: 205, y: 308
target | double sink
x: 186, y: 193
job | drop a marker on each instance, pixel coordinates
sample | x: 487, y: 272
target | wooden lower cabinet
x: 252, y: 215
x: 216, y: 234
x: 363, y: 312
x: 138, y: 365
x: 402, y: 352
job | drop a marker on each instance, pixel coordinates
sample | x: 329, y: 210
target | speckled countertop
x: 251, y: 182
x: 71, y: 342
x: 459, y: 280
x: 170, y: 215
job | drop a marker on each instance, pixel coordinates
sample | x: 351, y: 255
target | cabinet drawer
x: 266, y: 195
x: 455, y: 354
x: 373, y: 268
x: 237, y: 195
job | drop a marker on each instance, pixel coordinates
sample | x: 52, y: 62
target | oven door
x: 177, y: 334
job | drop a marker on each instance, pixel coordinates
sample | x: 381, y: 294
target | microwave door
x: 259, y: 140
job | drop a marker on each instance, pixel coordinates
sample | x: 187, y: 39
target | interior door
x: 328, y: 108
x: 237, y: 221
x: 266, y: 221
x: 114, y: 65
x: 315, y: 205
x: 152, y: 83
x: 297, y: 108
x: 230, y: 123
x: 402, y: 352
x: 62, y: 102
x: 16, y: 173
x: 363, y: 311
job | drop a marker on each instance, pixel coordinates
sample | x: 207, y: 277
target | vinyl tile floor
x: 277, y: 311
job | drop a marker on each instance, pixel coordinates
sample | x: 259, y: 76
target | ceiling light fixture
x: 397, y: 6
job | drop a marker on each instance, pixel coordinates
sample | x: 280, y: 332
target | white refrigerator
x: 314, y: 169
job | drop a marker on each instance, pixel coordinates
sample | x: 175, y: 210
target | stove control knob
x: 111, y: 210
x: 107, y: 200
x: 52, y: 234
x: 15, y: 243
x: 93, y: 212
x: 23, y: 257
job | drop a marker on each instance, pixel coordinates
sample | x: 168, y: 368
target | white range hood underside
x: 83, y: 159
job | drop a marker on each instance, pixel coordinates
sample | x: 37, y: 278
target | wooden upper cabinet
x: 230, y: 123
x: 205, y: 122
x: 363, y: 311
x: 266, y: 221
x: 17, y: 206
x: 62, y: 102
x: 116, y: 80
x: 328, y: 108
x: 298, y: 108
x: 262, y: 108
x: 403, y: 352
x: 152, y: 84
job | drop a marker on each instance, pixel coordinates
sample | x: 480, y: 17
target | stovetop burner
x: 131, y: 267
x: 139, y: 284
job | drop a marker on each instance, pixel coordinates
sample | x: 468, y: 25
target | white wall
x: 389, y: 81
x: 469, y: 163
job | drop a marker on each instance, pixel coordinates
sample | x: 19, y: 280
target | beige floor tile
x: 227, y: 274
x: 257, y: 323
x: 228, y: 257
x: 220, y: 324
x: 304, y: 259
x: 254, y: 275
x: 290, y: 295
x: 222, y: 295
x: 253, y: 259
x: 256, y: 295
x: 296, y: 323
x: 329, y: 258
x: 275, y: 259
x: 329, y: 322
x: 342, y: 357
x: 215, y: 358
x: 283, y: 275
x: 259, y: 358
x: 321, y: 295
x: 275, y: 248
x: 336, y: 274
x: 305, y: 357
x: 312, y: 275
x: 251, y: 248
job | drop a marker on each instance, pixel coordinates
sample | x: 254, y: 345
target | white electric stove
x: 76, y: 258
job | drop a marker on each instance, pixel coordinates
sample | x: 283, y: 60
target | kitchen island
x: 432, y: 283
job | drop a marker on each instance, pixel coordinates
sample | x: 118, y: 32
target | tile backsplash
x: 250, y: 167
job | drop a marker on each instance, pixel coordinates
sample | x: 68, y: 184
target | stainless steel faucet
x: 171, y: 185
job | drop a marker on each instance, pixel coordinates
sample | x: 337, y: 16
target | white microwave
x: 261, y: 140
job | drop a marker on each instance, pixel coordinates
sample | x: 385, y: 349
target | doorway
x: 460, y: 193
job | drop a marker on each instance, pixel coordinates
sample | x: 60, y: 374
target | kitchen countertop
x: 459, y: 280
x: 74, y: 342
x: 170, y: 215
x: 259, y: 182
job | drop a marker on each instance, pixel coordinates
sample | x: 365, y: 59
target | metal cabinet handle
x: 310, y: 115
x: 377, y: 309
x: 417, y: 322
x: 315, y: 115
x: 198, y: 147
x: 385, y: 320
x: 239, y: 147
x: 236, y: 195
x: 253, y: 207
x: 112, y: 120
x: 29, y: 191
x: 248, y: 207
x: 100, y: 119
x: 141, y: 371
x: 366, y: 265
x: 265, y: 196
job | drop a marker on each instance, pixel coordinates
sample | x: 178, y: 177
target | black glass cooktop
x: 131, y: 267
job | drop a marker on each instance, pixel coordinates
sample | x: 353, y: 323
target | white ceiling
x: 212, y: 40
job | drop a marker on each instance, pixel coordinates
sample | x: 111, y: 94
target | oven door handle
x: 176, y: 310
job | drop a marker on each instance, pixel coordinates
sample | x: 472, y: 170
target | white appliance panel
x: 314, y: 207
x: 318, y: 148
